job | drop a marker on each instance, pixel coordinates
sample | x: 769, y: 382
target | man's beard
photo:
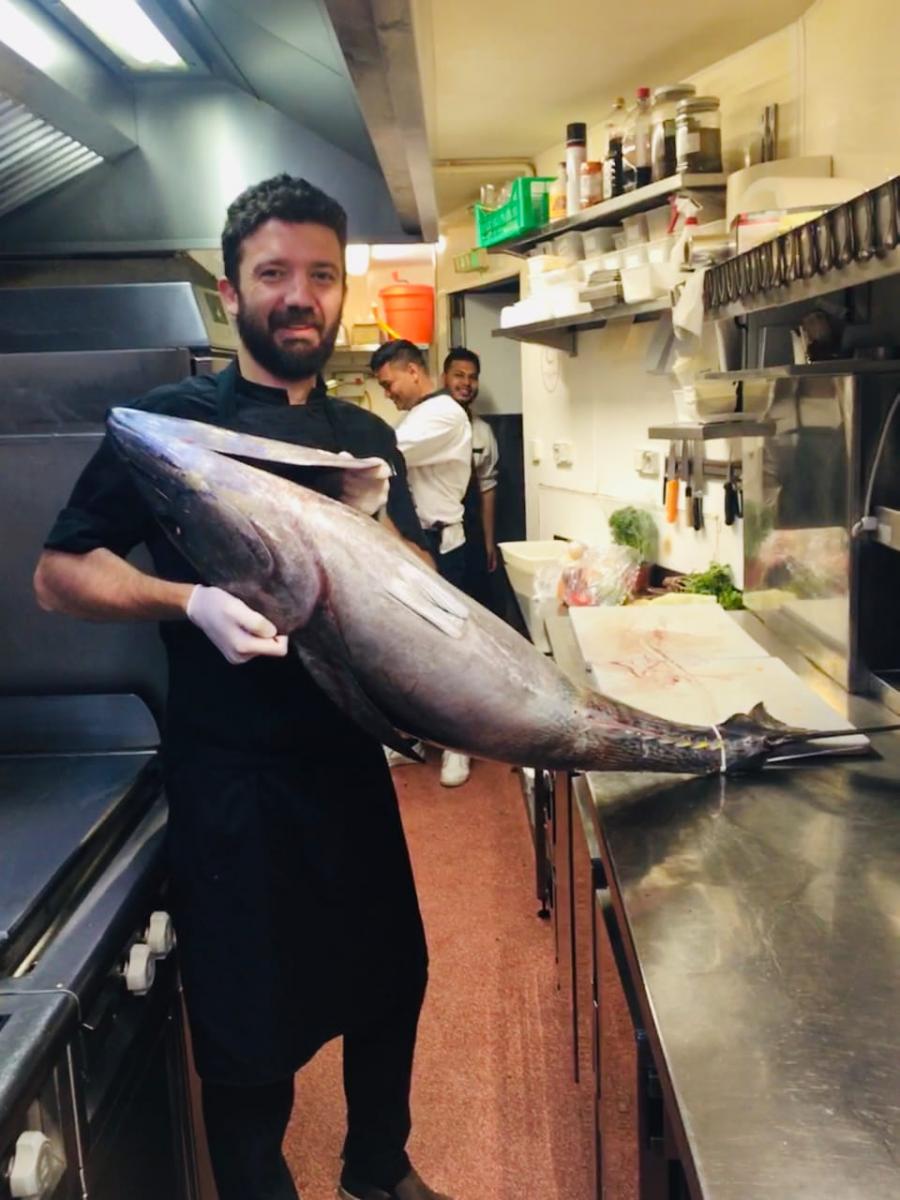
x: 286, y: 362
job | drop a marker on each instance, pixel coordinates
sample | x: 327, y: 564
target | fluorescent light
x: 403, y: 252
x: 356, y: 258
x: 25, y: 36
x: 125, y: 29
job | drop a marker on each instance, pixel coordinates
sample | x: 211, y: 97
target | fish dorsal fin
x: 425, y: 593
x: 244, y: 446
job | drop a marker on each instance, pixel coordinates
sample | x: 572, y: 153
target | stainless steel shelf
x: 561, y: 333
x: 828, y: 367
x: 611, y: 212
x: 709, y: 431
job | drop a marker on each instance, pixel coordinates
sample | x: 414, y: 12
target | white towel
x: 687, y: 315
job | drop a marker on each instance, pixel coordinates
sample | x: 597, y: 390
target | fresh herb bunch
x: 717, y: 581
x: 636, y: 528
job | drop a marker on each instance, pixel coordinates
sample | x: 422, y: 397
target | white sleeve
x: 433, y: 433
x: 487, y: 463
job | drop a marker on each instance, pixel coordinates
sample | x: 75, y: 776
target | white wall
x: 500, y: 390
x: 602, y: 403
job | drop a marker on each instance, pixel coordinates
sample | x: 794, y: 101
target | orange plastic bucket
x: 409, y: 308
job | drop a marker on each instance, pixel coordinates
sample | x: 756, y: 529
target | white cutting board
x: 693, y: 664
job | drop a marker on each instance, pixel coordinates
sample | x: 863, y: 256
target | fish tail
x: 627, y: 739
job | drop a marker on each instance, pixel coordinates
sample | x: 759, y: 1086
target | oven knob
x: 160, y: 935
x: 140, y: 969
x: 31, y: 1172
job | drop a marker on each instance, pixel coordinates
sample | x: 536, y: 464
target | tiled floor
x: 495, y: 1114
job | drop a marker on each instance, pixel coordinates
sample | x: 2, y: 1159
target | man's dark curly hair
x: 284, y: 198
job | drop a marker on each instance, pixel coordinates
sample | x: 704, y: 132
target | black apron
x: 292, y: 892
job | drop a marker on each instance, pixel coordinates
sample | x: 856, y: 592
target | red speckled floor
x: 495, y: 1113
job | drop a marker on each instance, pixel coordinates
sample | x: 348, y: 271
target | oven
x: 95, y: 1082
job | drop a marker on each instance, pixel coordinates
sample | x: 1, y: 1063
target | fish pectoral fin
x: 429, y: 597
x: 325, y: 657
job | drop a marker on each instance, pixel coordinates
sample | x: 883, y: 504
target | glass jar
x: 591, y: 183
x: 698, y: 135
x: 663, y: 158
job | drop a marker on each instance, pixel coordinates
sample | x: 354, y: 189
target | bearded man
x: 291, y: 887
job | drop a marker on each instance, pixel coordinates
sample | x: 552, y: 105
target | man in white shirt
x: 462, y: 369
x: 435, y: 438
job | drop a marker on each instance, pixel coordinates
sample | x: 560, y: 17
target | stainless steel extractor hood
x: 34, y: 156
x: 315, y: 88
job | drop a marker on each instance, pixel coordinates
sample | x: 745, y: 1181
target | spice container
x: 698, y: 135
x: 663, y: 157
x: 591, y: 183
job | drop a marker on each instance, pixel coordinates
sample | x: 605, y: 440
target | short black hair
x: 283, y: 198
x: 461, y: 354
x: 400, y: 352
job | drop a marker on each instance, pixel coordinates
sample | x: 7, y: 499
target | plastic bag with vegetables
x: 589, y: 576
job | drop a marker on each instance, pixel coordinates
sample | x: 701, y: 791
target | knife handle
x: 672, y: 501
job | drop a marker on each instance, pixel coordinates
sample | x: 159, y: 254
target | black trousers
x: 245, y: 1126
x: 452, y: 565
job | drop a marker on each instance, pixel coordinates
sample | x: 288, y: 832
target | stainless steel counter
x: 761, y: 919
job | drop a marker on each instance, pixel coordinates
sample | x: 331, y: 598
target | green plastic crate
x: 525, y: 210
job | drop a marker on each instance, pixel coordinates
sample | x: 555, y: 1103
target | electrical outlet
x: 647, y: 462
x: 563, y: 454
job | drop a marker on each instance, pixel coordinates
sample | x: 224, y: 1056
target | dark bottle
x: 613, y: 172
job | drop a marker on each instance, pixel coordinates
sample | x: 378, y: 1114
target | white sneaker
x: 454, y: 768
x: 396, y: 759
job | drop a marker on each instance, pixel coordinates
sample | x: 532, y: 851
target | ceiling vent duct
x: 34, y: 156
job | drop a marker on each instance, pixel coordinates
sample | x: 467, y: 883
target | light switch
x: 537, y: 450
x: 563, y: 454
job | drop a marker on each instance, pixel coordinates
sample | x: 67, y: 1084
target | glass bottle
x: 613, y: 179
x: 636, y: 145
x: 576, y: 154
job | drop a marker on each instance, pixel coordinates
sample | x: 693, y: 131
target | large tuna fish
x: 404, y: 653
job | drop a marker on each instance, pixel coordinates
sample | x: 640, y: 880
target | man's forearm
x: 101, y: 586
x: 420, y: 551
x: 488, y: 520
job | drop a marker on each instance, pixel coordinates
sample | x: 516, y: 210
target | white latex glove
x: 233, y: 627
x: 366, y: 490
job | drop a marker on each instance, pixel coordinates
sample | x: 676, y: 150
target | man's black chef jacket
x: 292, y: 891
x: 269, y: 704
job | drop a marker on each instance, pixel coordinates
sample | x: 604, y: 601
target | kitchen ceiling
x: 507, y: 78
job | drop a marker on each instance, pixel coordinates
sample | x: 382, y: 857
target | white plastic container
x: 612, y: 261
x: 635, y: 229
x: 569, y: 246
x: 565, y: 301
x: 593, y: 268
x: 598, y: 241
x: 640, y: 284
x: 522, y: 561
x: 563, y: 276
x: 634, y: 256
x: 660, y: 251
x: 658, y: 220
